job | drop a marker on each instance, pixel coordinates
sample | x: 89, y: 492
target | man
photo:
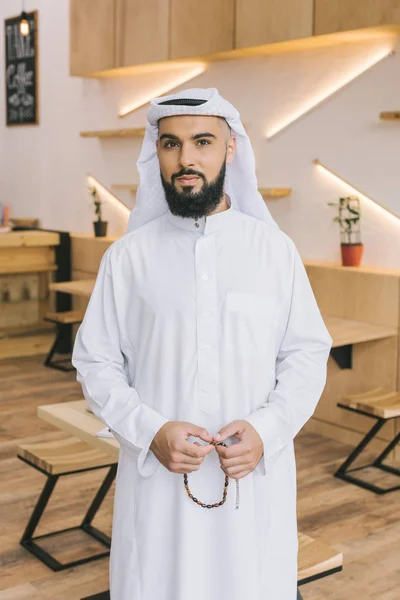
x: 202, y: 328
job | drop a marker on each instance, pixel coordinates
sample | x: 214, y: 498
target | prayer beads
x: 202, y: 504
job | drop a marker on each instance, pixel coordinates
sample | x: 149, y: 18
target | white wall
x: 43, y: 168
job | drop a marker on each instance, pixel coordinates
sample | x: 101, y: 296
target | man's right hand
x: 172, y: 449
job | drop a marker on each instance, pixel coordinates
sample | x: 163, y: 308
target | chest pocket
x: 248, y: 324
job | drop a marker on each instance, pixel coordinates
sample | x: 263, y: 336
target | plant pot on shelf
x: 100, y: 228
x: 352, y: 254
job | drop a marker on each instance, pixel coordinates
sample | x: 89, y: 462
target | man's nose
x: 186, y: 158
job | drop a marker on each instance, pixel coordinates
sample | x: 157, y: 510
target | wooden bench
x: 62, y: 320
x: 381, y: 405
x: 57, y: 459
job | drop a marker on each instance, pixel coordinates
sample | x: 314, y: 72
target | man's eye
x: 206, y: 142
x: 167, y: 144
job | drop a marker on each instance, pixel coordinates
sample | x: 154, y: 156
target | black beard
x: 194, y: 204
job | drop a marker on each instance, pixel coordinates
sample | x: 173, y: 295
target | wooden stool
x: 62, y: 321
x: 56, y: 459
x: 382, y: 406
x: 316, y: 560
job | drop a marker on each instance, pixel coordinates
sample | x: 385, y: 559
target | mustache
x: 187, y: 172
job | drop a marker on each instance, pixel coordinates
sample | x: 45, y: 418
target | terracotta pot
x: 352, y: 254
x: 100, y: 228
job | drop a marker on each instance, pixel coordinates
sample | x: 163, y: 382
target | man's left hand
x: 240, y: 459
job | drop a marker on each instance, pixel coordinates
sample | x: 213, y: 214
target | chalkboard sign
x: 21, y: 72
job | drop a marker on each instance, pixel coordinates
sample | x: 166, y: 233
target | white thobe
x: 204, y: 321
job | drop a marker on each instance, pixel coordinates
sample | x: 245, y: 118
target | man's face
x: 193, y: 151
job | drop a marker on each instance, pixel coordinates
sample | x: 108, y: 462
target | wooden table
x: 79, y: 287
x: 345, y: 331
x: 75, y: 419
x: 315, y: 558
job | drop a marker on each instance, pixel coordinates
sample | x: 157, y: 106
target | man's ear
x: 230, y: 149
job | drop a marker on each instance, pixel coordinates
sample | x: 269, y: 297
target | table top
x: 79, y: 287
x: 25, y: 238
x: 345, y: 331
x: 75, y: 419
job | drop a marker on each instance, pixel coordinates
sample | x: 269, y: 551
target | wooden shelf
x: 275, y: 192
x: 390, y: 116
x: 113, y: 133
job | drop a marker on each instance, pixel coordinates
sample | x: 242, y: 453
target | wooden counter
x: 27, y: 258
x: 27, y: 252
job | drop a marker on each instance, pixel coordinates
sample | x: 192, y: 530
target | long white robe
x: 206, y: 324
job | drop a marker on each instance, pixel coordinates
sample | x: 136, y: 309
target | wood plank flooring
x: 365, y: 527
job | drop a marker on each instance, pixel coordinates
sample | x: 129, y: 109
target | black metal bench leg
x: 387, y: 450
x: 357, y: 451
x: 30, y: 543
x: 39, y: 508
x: 344, y: 471
x: 57, y: 364
x: 47, y: 361
x: 86, y: 524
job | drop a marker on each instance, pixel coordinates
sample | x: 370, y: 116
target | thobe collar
x: 206, y: 224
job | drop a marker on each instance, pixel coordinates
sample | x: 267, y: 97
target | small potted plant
x: 349, y: 220
x: 100, y: 226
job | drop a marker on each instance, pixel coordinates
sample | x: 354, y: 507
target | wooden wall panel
x: 266, y: 21
x: 359, y: 295
x: 142, y: 31
x: 200, y: 27
x: 92, y: 36
x: 332, y: 16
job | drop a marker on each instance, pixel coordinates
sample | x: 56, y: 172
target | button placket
x: 207, y: 330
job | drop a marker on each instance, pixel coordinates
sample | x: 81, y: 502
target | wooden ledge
x: 390, y: 116
x: 113, y: 133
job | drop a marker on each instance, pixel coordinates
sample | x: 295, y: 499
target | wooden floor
x: 365, y: 527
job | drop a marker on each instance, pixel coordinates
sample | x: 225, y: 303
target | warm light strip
x: 327, y: 92
x: 353, y: 190
x: 111, y: 198
x: 127, y: 110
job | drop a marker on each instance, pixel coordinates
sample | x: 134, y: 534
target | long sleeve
x: 301, y: 367
x: 99, y: 361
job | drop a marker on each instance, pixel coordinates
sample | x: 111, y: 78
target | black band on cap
x: 183, y: 102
